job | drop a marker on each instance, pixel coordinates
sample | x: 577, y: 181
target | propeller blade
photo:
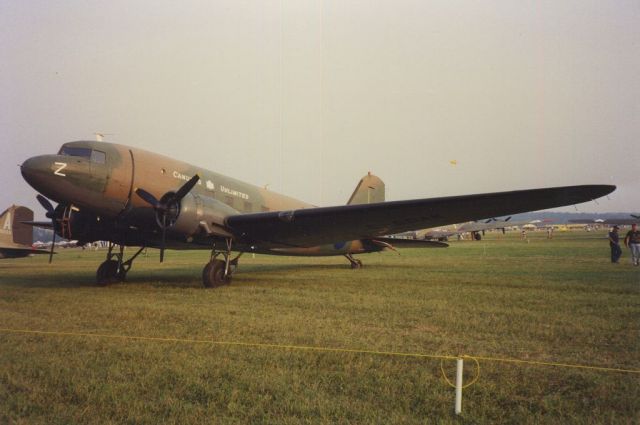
x: 186, y: 188
x: 508, y: 218
x: 164, y: 232
x: 46, y: 204
x: 147, y: 197
x: 53, y: 244
x: 165, y: 205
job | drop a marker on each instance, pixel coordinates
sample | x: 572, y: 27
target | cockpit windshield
x: 87, y: 153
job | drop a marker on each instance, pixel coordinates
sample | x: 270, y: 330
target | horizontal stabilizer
x: 41, y: 224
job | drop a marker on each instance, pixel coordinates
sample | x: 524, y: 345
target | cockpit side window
x: 98, y: 157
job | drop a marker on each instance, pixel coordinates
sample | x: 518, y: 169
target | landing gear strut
x: 114, y: 269
x: 218, y: 272
x: 355, y: 263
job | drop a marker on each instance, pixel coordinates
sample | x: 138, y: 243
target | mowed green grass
x: 557, y: 300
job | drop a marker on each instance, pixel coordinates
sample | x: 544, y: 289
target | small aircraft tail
x: 12, y: 230
x: 369, y: 190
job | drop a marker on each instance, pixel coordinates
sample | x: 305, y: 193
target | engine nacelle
x: 201, y: 214
x: 72, y: 223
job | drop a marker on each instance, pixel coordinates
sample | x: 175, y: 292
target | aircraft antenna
x: 100, y: 136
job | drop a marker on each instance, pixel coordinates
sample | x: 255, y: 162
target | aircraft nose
x: 35, y: 170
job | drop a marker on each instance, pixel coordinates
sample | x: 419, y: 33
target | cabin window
x: 228, y: 200
x: 247, y: 206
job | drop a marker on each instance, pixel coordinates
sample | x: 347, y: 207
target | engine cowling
x: 198, y: 214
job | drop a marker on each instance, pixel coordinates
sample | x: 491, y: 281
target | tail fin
x: 370, y: 189
x: 12, y: 230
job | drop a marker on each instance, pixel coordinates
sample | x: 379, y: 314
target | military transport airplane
x: 16, y: 238
x: 131, y: 197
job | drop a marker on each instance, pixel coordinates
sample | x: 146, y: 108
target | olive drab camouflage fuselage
x: 97, y: 180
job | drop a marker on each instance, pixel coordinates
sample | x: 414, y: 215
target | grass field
x: 557, y: 300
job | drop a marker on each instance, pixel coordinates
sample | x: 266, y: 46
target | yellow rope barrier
x: 473, y: 381
x: 325, y: 349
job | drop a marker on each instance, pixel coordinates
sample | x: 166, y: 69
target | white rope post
x: 459, y: 369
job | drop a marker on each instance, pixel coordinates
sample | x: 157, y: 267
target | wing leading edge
x: 315, y: 226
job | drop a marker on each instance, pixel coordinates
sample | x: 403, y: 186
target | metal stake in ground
x: 459, y: 368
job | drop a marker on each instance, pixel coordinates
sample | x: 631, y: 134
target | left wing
x: 315, y: 226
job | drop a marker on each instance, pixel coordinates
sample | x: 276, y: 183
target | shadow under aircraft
x: 131, y: 197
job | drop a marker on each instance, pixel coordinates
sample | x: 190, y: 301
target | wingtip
x: 610, y: 188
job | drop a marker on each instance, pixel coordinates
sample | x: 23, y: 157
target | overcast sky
x: 308, y: 96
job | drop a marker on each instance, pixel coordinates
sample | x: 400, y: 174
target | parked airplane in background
x: 16, y: 238
x: 132, y: 197
x: 475, y: 228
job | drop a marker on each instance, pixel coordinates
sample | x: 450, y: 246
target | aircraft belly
x: 326, y: 250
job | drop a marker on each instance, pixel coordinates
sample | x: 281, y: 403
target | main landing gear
x: 218, y: 272
x: 355, y: 263
x: 114, y: 269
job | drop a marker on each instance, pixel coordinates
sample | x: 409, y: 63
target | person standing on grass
x: 632, y: 241
x: 614, y: 243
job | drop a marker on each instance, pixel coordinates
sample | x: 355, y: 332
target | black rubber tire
x: 107, y: 273
x: 213, y: 274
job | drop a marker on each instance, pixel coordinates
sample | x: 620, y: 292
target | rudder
x: 12, y: 230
